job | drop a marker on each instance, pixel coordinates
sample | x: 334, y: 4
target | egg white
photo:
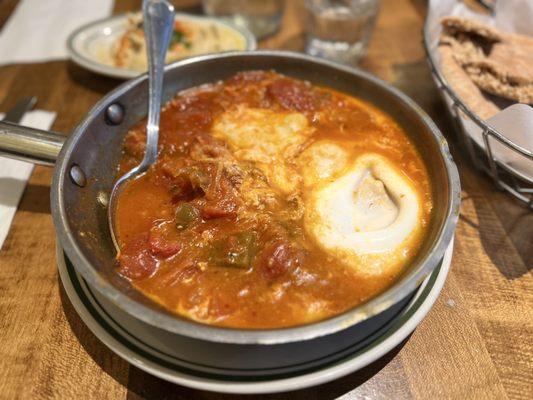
x: 268, y: 138
x: 366, y: 216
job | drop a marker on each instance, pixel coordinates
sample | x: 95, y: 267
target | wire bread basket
x: 505, y: 176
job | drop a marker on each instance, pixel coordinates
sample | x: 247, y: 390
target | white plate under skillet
x: 160, y: 353
x: 90, y: 46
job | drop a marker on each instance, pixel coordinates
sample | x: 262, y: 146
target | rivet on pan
x: 77, y: 176
x: 114, y: 115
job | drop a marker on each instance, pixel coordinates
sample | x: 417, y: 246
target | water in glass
x: 262, y: 17
x: 340, y: 29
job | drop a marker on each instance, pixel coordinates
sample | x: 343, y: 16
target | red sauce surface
x: 189, y: 239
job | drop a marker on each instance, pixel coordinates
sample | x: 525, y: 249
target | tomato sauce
x: 205, y: 234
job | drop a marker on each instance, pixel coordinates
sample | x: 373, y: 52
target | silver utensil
x: 158, y: 18
x: 22, y: 107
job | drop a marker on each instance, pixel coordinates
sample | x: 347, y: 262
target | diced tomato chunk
x: 164, y: 239
x: 279, y: 258
x: 219, y: 208
x: 293, y: 95
x: 219, y: 201
x: 135, y: 259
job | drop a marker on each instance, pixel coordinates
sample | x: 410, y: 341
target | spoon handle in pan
x: 158, y: 18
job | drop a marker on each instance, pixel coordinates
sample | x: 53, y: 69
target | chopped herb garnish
x: 178, y: 37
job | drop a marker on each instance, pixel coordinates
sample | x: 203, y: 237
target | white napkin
x: 14, y: 174
x: 38, y: 29
x: 516, y: 123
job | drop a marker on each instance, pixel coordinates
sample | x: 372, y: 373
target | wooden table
x: 477, y: 342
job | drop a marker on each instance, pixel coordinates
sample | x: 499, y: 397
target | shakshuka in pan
x: 273, y: 203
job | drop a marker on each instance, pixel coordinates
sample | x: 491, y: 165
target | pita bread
x: 497, y: 62
x: 463, y: 86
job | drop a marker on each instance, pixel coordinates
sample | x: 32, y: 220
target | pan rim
x: 190, y: 328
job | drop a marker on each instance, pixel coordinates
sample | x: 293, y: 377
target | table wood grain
x: 477, y: 341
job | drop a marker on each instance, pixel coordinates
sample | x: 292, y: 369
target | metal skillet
x: 85, y: 169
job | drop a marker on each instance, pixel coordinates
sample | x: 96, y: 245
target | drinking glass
x: 261, y: 17
x: 340, y: 30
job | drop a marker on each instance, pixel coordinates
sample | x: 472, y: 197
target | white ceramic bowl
x: 90, y: 46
